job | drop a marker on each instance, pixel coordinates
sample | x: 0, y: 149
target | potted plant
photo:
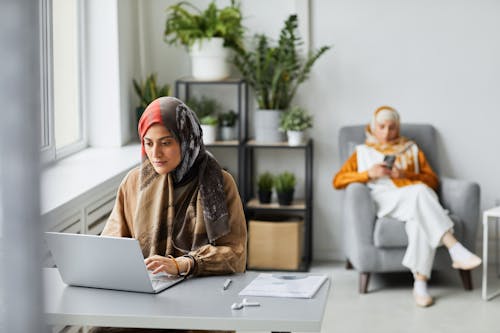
x: 285, y: 187
x: 227, y: 122
x: 295, y: 122
x: 275, y: 73
x: 264, y: 187
x: 206, y: 109
x: 147, y: 91
x: 208, y: 34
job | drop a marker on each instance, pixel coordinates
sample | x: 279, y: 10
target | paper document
x: 284, y: 285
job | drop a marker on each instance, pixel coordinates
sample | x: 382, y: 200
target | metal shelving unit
x: 254, y: 209
x: 245, y: 179
x: 183, y: 91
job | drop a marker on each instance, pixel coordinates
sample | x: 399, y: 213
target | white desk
x: 198, y: 303
x: 491, y: 215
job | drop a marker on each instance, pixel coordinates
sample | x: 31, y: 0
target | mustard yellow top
x: 349, y: 174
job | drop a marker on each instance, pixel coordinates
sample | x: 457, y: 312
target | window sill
x: 83, y: 172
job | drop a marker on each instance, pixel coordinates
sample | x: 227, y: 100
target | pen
x: 226, y: 284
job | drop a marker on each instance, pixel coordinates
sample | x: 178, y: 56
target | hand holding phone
x: 389, y: 161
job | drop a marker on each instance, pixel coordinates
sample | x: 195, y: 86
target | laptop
x: 105, y: 262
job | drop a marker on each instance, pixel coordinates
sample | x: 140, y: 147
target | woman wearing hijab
x: 184, y: 210
x: 405, y: 191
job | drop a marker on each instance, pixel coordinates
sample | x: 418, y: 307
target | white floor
x: 388, y: 306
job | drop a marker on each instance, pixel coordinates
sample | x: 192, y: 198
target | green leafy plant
x: 186, y: 24
x: 265, y: 181
x: 296, y: 119
x: 209, y: 120
x: 203, y: 107
x: 228, y: 119
x: 284, y: 182
x: 148, y: 90
x: 275, y: 72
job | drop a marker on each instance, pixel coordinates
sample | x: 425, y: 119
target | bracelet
x: 188, y: 269
x: 176, y: 264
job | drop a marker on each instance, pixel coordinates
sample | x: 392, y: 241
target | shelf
x: 245, y: 150
x: 296, y: 205
x: 191, y: 80
x: 230, y: 143
x: 253, y: 143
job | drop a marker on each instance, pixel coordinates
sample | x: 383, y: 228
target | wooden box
x: 275, y: 245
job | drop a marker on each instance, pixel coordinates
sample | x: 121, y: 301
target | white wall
x: 435, y: 61
x: 129, y: 65
x: 112, y: 60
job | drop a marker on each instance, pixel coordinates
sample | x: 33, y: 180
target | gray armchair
x: 378, y: 245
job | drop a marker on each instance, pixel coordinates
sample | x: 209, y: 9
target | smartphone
x: 389, y: 161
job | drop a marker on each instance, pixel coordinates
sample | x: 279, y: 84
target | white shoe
x: 471, y: 262
x: 423, y: 300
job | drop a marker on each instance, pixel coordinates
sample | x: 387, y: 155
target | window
x: 63, y: 125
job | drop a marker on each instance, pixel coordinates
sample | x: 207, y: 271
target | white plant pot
x: 267, y: 123
x: 227, y: 133
x: 209, y: 59
x: 296, y: 138
x: 209, y: 133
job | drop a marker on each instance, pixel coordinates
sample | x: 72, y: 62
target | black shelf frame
x: 245, y: 148
x: 306, y: 211
x: 242, y: 109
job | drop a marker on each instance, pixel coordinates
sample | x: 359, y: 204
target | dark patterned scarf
x: 195, y: 161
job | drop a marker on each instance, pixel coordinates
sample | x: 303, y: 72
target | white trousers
x: 426, y: 221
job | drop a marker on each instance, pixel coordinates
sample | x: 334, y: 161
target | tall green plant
x: 186, y: 24
x: 275, y: 72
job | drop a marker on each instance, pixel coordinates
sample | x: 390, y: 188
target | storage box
x: 275, y: 245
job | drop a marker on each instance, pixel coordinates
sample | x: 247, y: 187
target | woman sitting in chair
x: 402, y: 185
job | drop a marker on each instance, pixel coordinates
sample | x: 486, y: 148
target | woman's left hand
x: 158, y: 264
x: 397, y: 173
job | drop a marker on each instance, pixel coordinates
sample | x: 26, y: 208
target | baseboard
x: 328, y: 255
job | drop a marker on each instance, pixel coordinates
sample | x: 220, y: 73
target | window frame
x: 49, y: 152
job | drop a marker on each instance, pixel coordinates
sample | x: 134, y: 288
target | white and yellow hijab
x: 406, y: 150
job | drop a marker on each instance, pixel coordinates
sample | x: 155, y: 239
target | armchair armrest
x: 359, y: 223
x: 461, y: 198
x: 359, y: 212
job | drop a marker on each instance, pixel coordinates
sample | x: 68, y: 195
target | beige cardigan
x: 227, y: 255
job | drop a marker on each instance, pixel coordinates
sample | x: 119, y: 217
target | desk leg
x: 485, y: 257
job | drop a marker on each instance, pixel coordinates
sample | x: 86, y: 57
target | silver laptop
x: 105, y: 262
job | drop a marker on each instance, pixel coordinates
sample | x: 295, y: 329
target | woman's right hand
x: 378, y: 171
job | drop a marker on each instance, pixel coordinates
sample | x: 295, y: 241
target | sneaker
x: 471, y: 262
x: 423, y: 300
